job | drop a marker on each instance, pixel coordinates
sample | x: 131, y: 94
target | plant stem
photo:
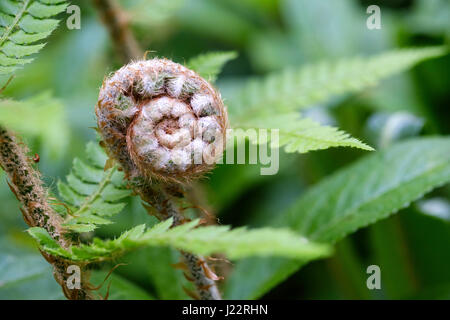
x: 117, y: 23
x: 128, y: 48
x: 26, y: 184
x: 206, y: 287
x: 197, y: 265
x: 199, y: 270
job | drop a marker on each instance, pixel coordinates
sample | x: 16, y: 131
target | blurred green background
x: 411, y: 247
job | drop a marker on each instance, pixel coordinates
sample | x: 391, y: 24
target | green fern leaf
x: 302, y: 134
x: 41, y: 116
x: 296, y: 88
x: 22, y: 24
x: 237, y: 243
x: 210, y: 64
x: 371, y: 189
x: 92, y: 194
x: 269, y: 102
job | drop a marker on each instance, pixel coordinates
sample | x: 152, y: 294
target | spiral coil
x: 162, y: 119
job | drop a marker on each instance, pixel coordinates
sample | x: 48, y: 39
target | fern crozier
x: 162, y: 120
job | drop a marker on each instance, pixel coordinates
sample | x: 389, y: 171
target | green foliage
x: 118, y: 287
x: 168, y: 282
x: 237, y: 243
x: 150, y: 13
x: 374, y: 188
x: 355, y: 197
x: 40, y: 116
x: 302, y: 134
x: 438, y: 208
x: 210, y: 64
x: 298, y: 88
x: 269, y: 102
x: 92, y: 194
x: 411, y: 248
x: 385, y: 128
x: 24, y: 272
x: 14, y: 271
x: 23, y: 25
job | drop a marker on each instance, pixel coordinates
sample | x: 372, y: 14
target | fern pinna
x: 273, y: 101
x: 92, y: 194
x: 236, y: 244
x: 23, y: 26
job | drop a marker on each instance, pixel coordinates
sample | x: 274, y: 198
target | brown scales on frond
x: 165, y: 126
x: 26, y: 185
x: 162, y: 119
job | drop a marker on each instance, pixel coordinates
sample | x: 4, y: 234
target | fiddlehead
x: 165, y: 125
x: 162, y: 119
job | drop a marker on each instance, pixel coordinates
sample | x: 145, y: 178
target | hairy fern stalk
x: 24, y: 24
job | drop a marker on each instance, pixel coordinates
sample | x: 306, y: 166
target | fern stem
x: 128, y: 48
x: 206, y: 287
x: 117, y: 23
x: 197, y: 266
x: 160, y: 199
x: 26, y: 184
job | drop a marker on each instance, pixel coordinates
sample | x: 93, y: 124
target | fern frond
x: 92, y: 194
x: 301, y: 135
x: 210, y: 64
x: 236, y: 244
x: 40, y: 116
x: 22, y: 24
x: 296, y: 88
